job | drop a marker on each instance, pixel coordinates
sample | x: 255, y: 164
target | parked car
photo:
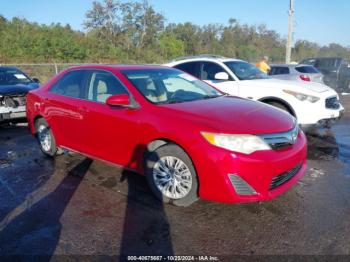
x: 311, y: 103
x: 189, y: 139
x: 296, y: 72
x: 336, y: 71
x: 14, y: 85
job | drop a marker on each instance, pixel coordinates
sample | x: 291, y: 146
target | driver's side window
x: 102, y: 85
x: 209, y: 70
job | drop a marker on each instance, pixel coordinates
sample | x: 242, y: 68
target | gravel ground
x: 75, y: 206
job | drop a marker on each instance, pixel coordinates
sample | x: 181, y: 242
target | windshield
x: 13, y: 76
x: 166, y: 86
x: 245, y: 71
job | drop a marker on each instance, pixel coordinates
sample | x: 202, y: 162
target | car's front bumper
x: 309, y: 114
x: 12, y: 114
x: 326, y: 123
x: 258, y: 170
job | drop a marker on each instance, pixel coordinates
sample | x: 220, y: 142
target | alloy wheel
x: 44, y: 137
x: 172, y: 177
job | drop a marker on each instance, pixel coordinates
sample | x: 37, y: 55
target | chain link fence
x: 41, y: 71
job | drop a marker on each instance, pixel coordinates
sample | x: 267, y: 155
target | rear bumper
x: 258, y: 170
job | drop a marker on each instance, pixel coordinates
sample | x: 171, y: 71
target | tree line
x: 134, y: 32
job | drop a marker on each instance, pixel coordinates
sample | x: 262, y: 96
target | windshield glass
x: 13, y: 76
x: 165, y: 86
x: 245, y: 71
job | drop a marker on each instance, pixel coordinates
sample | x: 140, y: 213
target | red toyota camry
x: 189, y: 139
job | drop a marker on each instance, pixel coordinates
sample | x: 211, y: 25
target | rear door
x: 281, y: 72
x: 63, y: 105
x: 344, y: 74
x: 329, y: 68
x: 112, y: 132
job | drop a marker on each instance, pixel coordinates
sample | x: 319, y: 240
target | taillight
x: 304, y: 78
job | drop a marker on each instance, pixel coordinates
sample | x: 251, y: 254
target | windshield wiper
x: 209, y: 97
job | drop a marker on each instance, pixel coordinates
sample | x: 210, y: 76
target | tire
x: 43, y: 131
x: 188, y: 182
x: 280, y: 106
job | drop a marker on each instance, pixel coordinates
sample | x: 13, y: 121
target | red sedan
x: 189, y: 139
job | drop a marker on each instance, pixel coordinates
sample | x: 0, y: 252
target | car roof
x: 117, y: 66
x: 8, y: 67
x: 323, y: 57
x: 290, y: 65
x: 212, y: 58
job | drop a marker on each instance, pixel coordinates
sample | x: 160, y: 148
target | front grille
x: 282, y: 140
x: 285, y: 177
x: 332, y: 102
x: 15, y: 101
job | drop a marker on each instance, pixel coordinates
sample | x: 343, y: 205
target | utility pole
x: 290, y: 31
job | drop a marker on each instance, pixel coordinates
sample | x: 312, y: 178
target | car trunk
x: 316, y: 78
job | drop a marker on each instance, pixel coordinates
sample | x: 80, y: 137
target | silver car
x: 296, y: 72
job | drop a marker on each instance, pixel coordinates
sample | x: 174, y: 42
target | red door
x: 113, y: 133
x: 65, y: 112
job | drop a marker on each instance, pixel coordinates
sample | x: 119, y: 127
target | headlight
x: 302, y: 97
x: 246, y: 144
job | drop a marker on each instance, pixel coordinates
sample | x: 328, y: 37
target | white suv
x: 311, y: 103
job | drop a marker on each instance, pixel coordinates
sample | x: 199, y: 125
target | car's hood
x: 290, y: 84
x: 233, y: 115
x: 17, y: 89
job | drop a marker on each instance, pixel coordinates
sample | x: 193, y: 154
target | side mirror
x: 221, y: 76
x: 36, y: 80
x: 122, y: 100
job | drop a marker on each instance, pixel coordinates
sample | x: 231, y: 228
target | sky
x: 321, y: 21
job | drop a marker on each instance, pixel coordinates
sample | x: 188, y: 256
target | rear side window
x: 71, y: 84
x: 326, y: 63
x: 279, y: 70
x: 191, y: 68
x: 102, y: 85
x: 307, y: 69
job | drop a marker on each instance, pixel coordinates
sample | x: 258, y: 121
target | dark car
x: 14, y: 86
x: 336, y: 71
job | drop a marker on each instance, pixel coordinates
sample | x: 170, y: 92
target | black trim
x: 279, y: 100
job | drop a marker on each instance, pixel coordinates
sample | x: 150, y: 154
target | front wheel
x: 171, y: 175
x: 45, y: 137
x: 280, y: 106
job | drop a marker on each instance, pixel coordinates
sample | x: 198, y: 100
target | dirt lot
x: 75, y: 206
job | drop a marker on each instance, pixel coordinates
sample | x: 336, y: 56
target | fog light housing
x: 240, y: 186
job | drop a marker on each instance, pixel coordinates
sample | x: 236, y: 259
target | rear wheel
x: 171, y: 175
x: 45, y: 137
